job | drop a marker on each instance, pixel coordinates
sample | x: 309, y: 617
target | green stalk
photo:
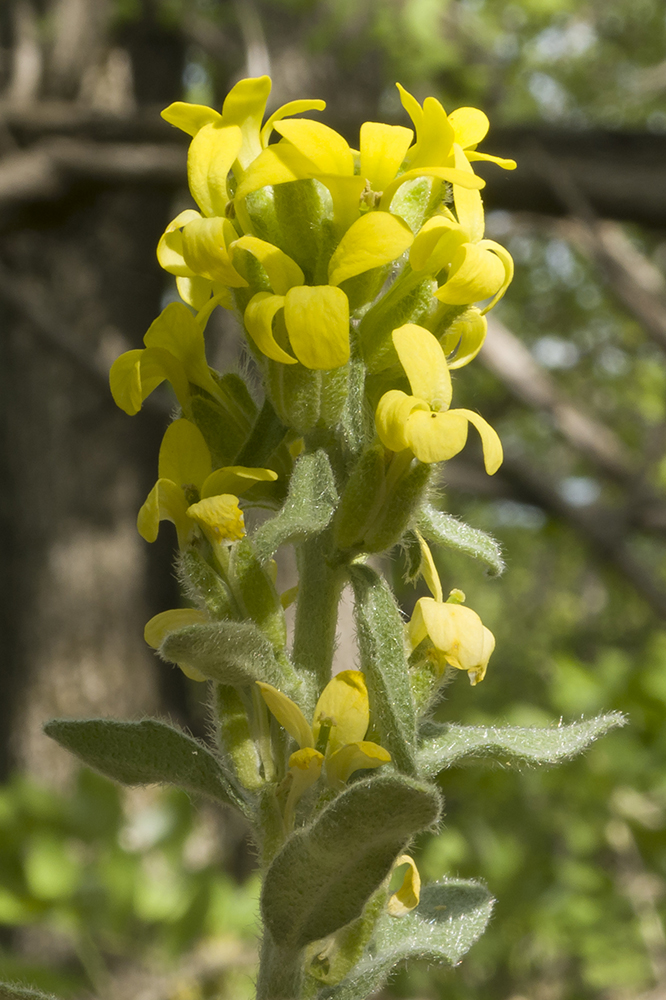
x: 319, y: 590
x: 280, y: 972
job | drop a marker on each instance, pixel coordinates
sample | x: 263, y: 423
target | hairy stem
x: 319, y: 589
x: 280, y: 972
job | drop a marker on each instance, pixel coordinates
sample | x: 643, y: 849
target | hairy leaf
x: 382, y: 647
x: 448, y: 743
x: 230, y: 652
x: 444, y: 529
x: 14, y: 991
x: 326, y: 872
x: 450, y: 917
x: 307, y: 510
x: 144, y: 753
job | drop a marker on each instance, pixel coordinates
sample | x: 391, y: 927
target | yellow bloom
x: 409, y: 893
x: 457, y: 634
x: 188, y: 491
x: 423, y: 421
x: 474, y: 268
x: 340, y: 722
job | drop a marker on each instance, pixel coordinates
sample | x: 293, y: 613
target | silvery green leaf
x: 236, y: 653
x: 447, y: 743
x: 444, y: 529
x: 381, y: 643
x: 451, y: 916
x: 14, y: 991
x: 144, y: 753
x: 307, y: 510
x: 326, y: 872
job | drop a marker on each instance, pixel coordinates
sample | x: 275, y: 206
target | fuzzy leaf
x: 14, y: 991
x: 144, y: 753
x: 444, y: 529
x: 381, y: 644
x: 450, y: 917
x: 307, y: 510
x: 448, y: 743
x: 326, y: 872
x: 234, y: 653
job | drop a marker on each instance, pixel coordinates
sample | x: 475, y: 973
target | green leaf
x: 381, y: 642
x: 307, y: 510
x: 444, y: 529
x: 450, y: 917
x: 144, y: 753
x: 14, y: 991
x: 326, y: 872
x: 448, y: 743
x: 234, y: 653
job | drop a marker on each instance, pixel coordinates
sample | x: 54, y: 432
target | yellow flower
x: 423, y: 421
x: 457, y: 634
x: 340, y: 722
x: 474, y: 268
x: 407, y: 896
x: 188, y: 491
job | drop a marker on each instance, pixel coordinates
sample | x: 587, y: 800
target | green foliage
x: 228, y: 652
x: 11, y: 991
x: 444, y: 529
x: 450, y: 917
x: 446, y: 743
x: 144, y: 753
x: 382, y: 647
x: 307, y: 510
x: 326, y: 872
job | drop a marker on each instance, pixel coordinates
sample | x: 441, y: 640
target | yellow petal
x: 411, y: 106
x: 468, y: 204
x: 434, y: 136
x: 317, y: 320
x: 184, y: 455
x: 235, y: 479
x: 428, y: 570
x: 475, y: 274
x: 465, y: 336
x: 423, y: 359
x: 499, y: 160
x: 212, y: 152
x: 176, y: 332
x: 283, y: 272
x: 220, y: 517
x: 323, y: 146
x: 393, y: 411
x: 158, y: 628
x: 449, y: 174
x: 205, y: 250
x: 195, y: 291
x: 416, y: 628
x: 170, y: 246
x: 305, y: 767
x: 383, y: 148
x: 458, y: 634
x: 436, y: 437
x: 435, y: 244
x: 158, y: 364
x: 507, y: 261
x: 344, y: 701
x: 165, y: 502
x: 492, y: 446
x: 373, y: 240
x: 125, y: 382
x: 345, y: 192
x: 244, y: 106
x: 276, y: 165
x: 261, y: 310
x: 288, y: 714
x: 470, y: 126
x: 342, y: 763
x: 190, y: 117
x: 291, y: 108
x: 409, y: 893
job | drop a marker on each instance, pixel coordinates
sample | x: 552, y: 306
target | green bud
x: 225, y: 427
x: 234, y: 736
x: 364, y: 496
x: 305, y: 399
x: 203, y: 585
x: 403, y: 501
x: 255, y: 591
x: 406, y: 301
x: 412, y: 201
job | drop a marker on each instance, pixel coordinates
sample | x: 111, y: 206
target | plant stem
x: 319, y: 589
x: 280, y: 972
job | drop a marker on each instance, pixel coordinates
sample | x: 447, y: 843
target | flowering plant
x: 362, y: 279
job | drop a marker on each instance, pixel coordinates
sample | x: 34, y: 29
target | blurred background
x: 106, y: 893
